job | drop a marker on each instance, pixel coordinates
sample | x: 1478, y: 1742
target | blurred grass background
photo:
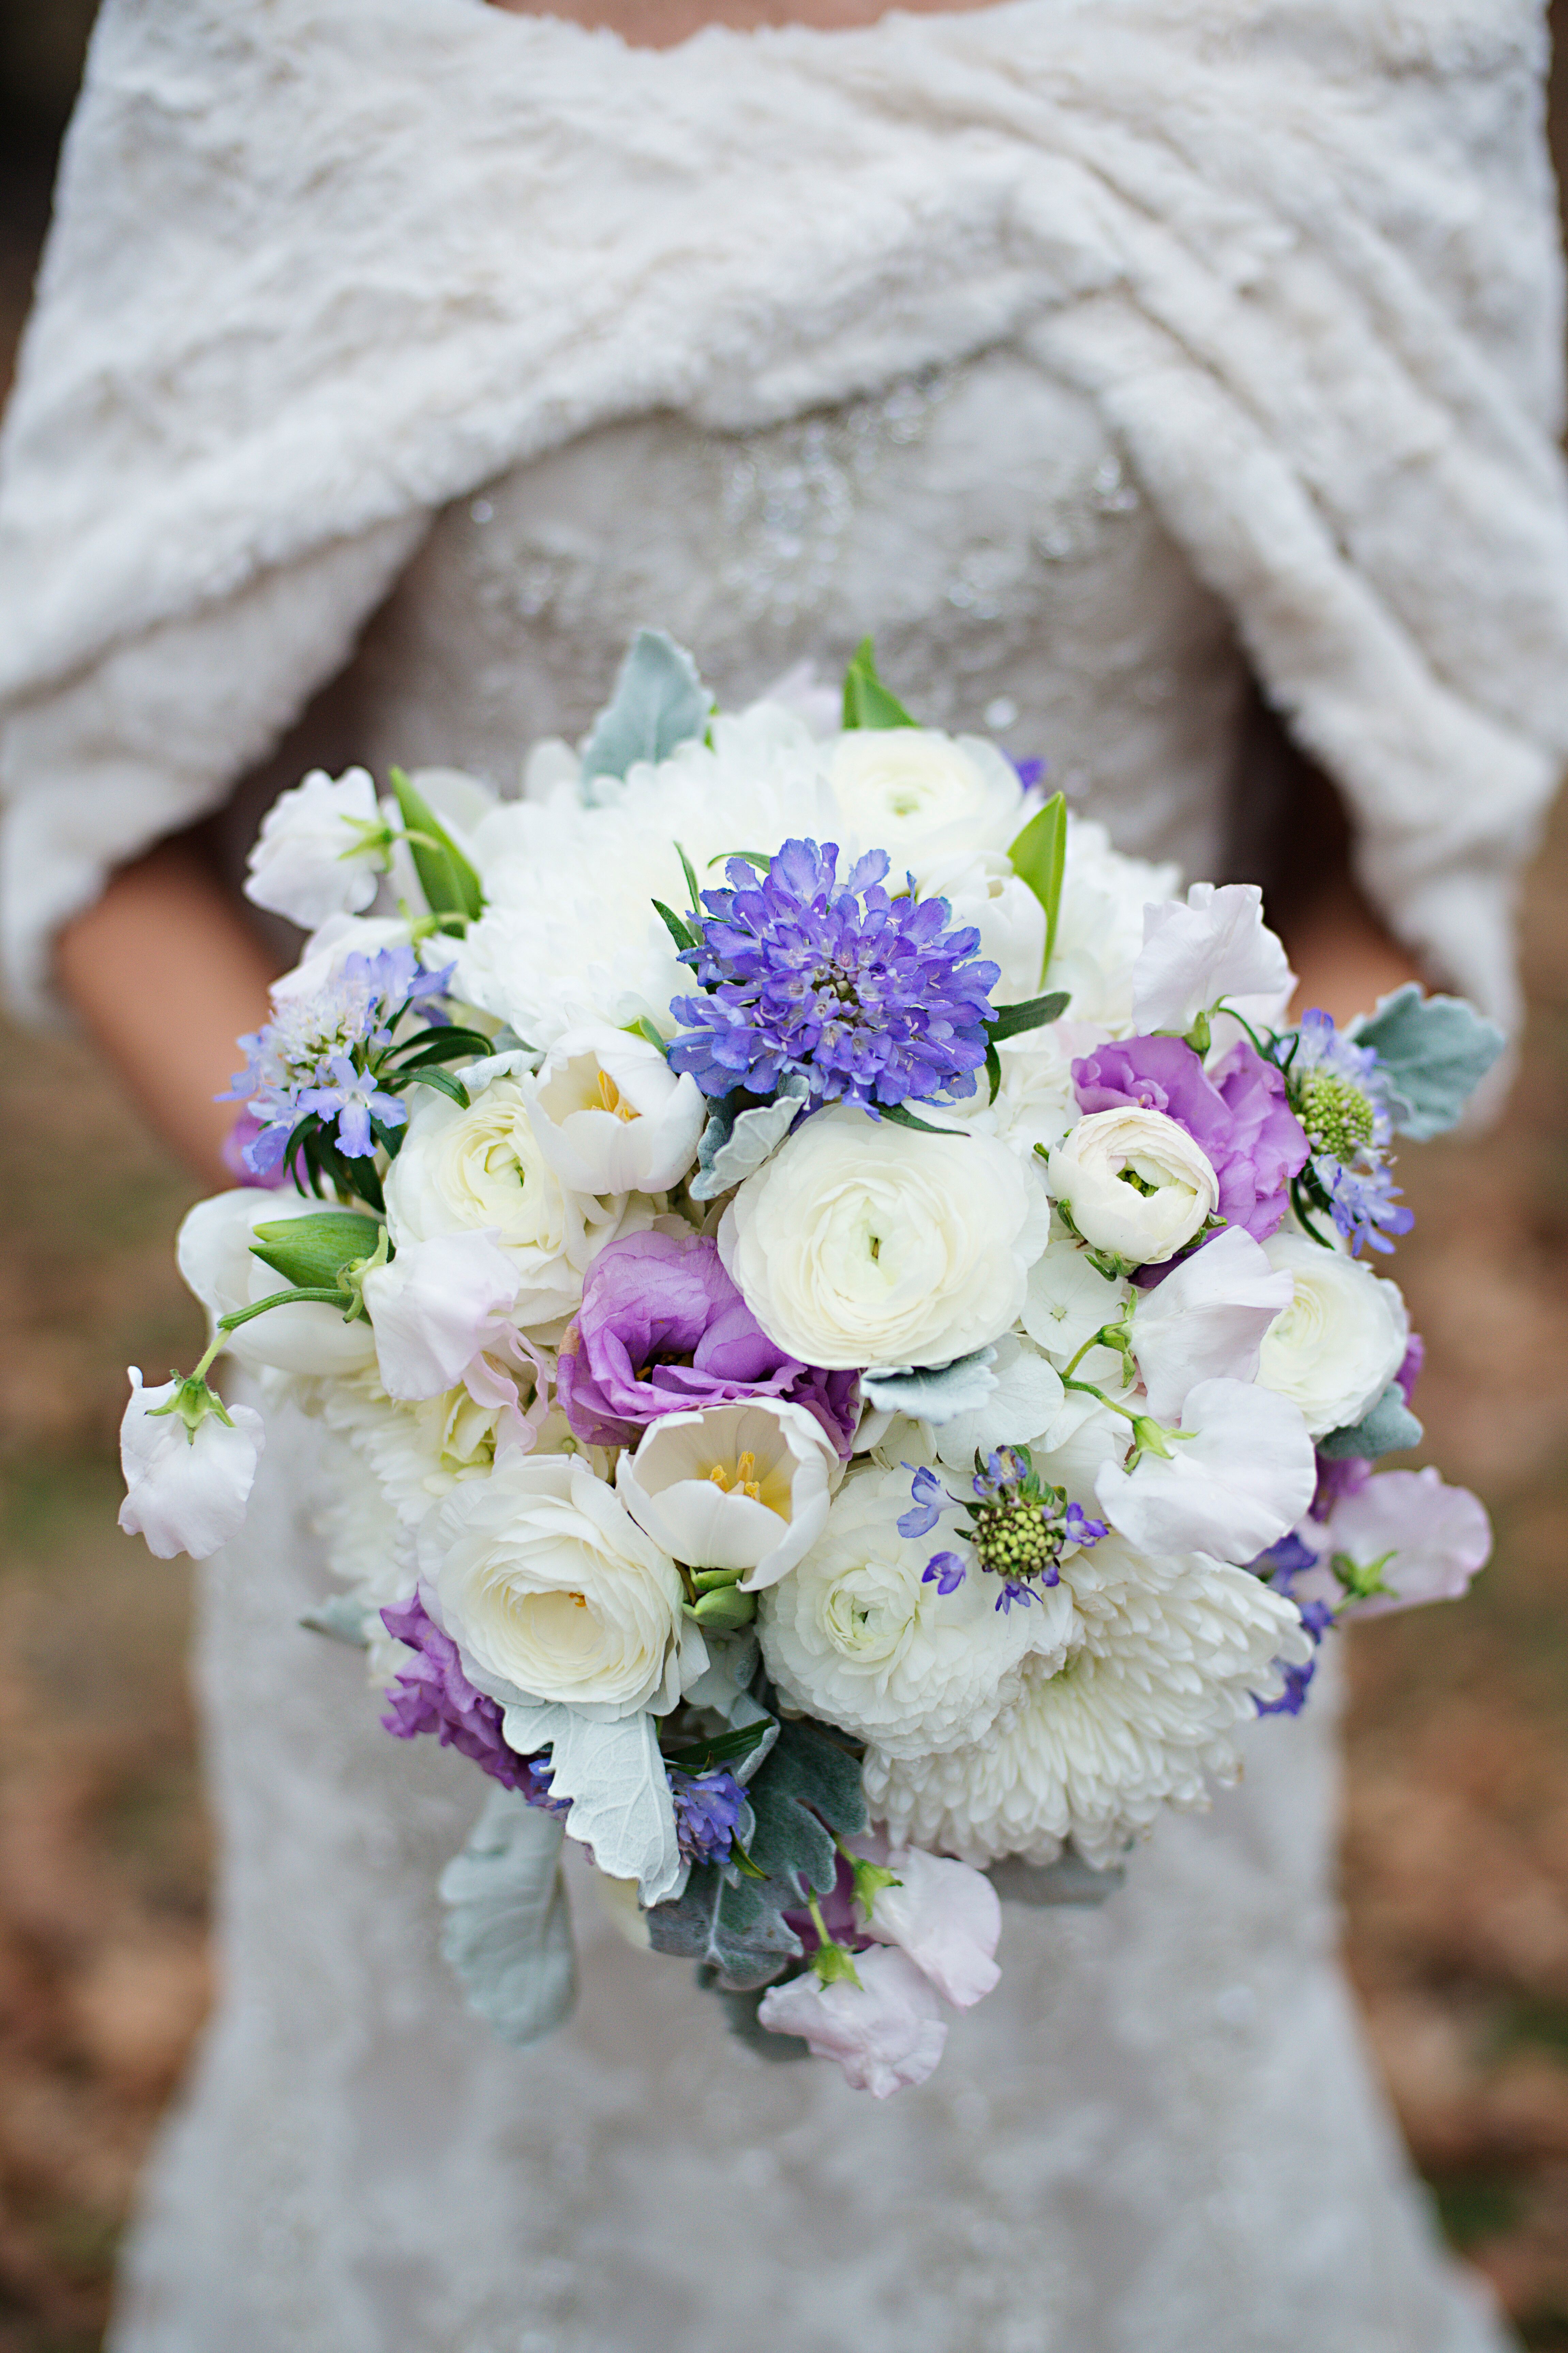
x: 1457, y: 1833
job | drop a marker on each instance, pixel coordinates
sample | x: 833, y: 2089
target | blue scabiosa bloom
x: 1019, y: 1526
x: 871, y: 997
x: 1336, y: 1091
x: 708, y: 1808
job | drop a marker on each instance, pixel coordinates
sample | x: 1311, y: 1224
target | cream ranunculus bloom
x: 917, y: 793
x: 732, y: 1486
x: 547, y: 1583
x: 1341, y: 1341
x: 862, y: 1243
x: 1136, y: 1184
x: 487, y: 1169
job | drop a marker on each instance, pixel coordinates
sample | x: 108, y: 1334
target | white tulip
x: 861, y: 1243
x: 312, y: 860
x: 1342, y: 1338
x: 434, y: 1309
x: 1239, y: 1474
x: 1137, y: 1185
x: 1216, y: 946
x: 215, y: 1255
x: 185, y: 1490
x: 1206, y: 1320
x: 732, y: 1486
x: 612, y: 1117
x: 919, y: 793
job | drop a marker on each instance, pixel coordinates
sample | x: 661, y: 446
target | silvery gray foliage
x: 1434, y: 1052
x: 934, y: 1393
x: 735, y: 1143
x: 658, y: 704
x: 342, y: 1619
x: 508, y: 1932
x: 613, y: 1775
x: 1388, y: 1428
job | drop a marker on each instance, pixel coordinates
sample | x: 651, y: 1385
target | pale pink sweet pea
x: 947, y: 1917
x: 1438, y: 1536
x: 1205, y: 1320
x: 1239, y: 1475
x: 187, y: 1491
x: 886, y: 2032
x: 436, y: 1308
x: 1215, y: 946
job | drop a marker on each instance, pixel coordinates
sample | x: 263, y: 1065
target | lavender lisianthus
x: 432, y: 1693
x: 871, y: 997
x: 1238, y: 1115
x: 662, y: 1329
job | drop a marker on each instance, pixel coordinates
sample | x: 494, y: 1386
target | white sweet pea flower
x: 185, y: 1490
x: 861, y: 1243
x: 1239, y: 1474
x: 1206, y: 1320
x: 1099, y: 927
x: 885, y: 2032
x: 1069, y: 1301
x: 732, y: 1486
x: 946, y: 1916
x: 314, y: 856
x: 1216, y: 946
x: 546, y: 1583
x: 485, y: 1170
x: 1341, y: 1339
x: 1425, y: 1539
x: 612, y: 1117
x: 1137, y: 1185
x: 919, y: 793
x: 436, y: 1308
x: 215, y: 1255
x: 981, y: 887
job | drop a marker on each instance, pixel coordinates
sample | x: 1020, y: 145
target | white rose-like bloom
x: 981, y: 887
x: 857, y: 1636
x: 186, y: 1490
x: 310, y: 859
x: 612, y: 1115
x: 214, y: 1250
x: 861, y: 1243
x: 732, y: 1486
x: 1093, y: 1170
x: 1341, y: 1339
x: 545, y: 1581
x: 920, y: 795
x: 486, y: 1169
x: 1167, y: 1654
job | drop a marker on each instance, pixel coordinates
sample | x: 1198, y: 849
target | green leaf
x: 1039, y: 859
x: 449, y: 884
x: 508, y: 1933
x: 443, y: 1081
x: 643, y: 1028
x: 658, y: 704
x: 866, y: 702
x: 312, y: 1251
x: 1035, y: 1013
x: 674, y: 926
x: 437, y: 1046
x: 690, y: 873
x: 993, y: 1068
x: 749, y: 857
x: 735, y: 1749
x: 1434, y: 1051
x: 901, y: 1117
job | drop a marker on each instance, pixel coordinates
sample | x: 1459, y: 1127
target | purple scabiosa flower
x: 432, y: 1693
x: 662, y: 1329
x: 708, y: 1807
x: 1238, y: 1114
x: 1279, y: 1567
x: 1338, y: 1093
x: 870, y: 997
x: 1018, y: 1528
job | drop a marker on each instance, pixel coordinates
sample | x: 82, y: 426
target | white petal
x: 947, y: 1917
x: 1206, y: 1320
x: 886, y: 2032
x: 434, y: 1307
x: 185, y: 1493
x: 1439, y: 1537
x: 1216, y: 946
x: 1232, y: 1487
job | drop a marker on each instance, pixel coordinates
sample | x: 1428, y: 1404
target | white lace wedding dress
x: 1161, y: 2133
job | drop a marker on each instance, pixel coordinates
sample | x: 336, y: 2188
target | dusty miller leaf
x: 1435, y: 1052
x: 734, y: 1145
x: 934, y: 1393
x: 614, y: 1776
x: 1388, y: 1428
x: 508, y: 1933
x: 658, y: 704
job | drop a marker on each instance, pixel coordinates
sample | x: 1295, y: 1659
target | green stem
x: 239, y: 1316
x: 1090, y: 1389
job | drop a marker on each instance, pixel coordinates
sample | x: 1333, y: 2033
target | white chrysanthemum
x: 569, y: 933
x: 1100, y: 929
x: 853, y: 1635
x: 923, y: 795
x: 1165, y: 1659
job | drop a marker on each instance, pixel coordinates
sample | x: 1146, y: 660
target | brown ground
x: 1456, y: 1849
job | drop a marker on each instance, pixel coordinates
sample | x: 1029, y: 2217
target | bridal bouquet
x: 856, y: 1318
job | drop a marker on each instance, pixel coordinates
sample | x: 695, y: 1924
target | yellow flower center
x: 742, y: 1481
x: 613, y: 1100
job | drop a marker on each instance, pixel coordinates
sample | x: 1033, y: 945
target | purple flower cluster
x: 1238, y: 1113
x: 1279, y: 1567
x: 662, y: 1329
x: 708, y: 1807
x: 1337, y: 1094
x: 319, y: 1053
x: 432, y: 1693
x: 873, y: 998
x: 1018, y: 1525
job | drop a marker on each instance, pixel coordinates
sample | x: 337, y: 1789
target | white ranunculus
x: 434, y: 1309
x: 1069, y: 1301
x: 186, y: 1490
x: 1206, y: 1320
x: 613, y: 1116
x: 546, y: 1583
x: 921, y: 794
x: 1138, y: 1186
x: 732, y: 1486
x: 1099, y: 928
x: 858, y: 1636
x: 215, y: 1255
x: 1216, y: 946
x: 981, y: 888
x: 1239, y: 1474
x: 312, y: 860
x: 885, y: 2032
x: 861, y: 1243
x: 1341, y: 1338
x: 486, y: 1169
